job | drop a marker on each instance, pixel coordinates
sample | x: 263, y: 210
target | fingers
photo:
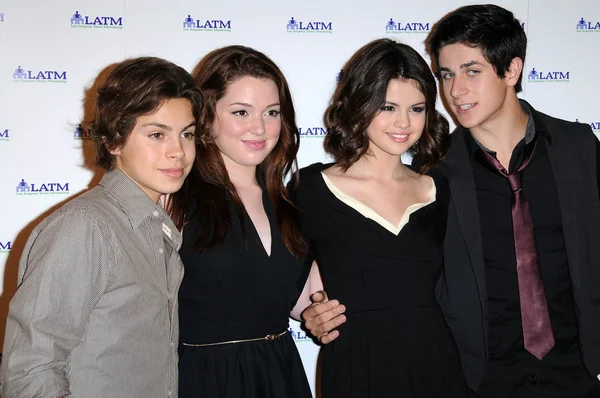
x: 319, y: 297
x: 315, y: 310
x: 329, y: 337
x: 321, y: 319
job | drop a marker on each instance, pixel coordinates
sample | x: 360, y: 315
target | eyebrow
x: 165, y: 127
x: 250, y: 105
x: 463, y: 66
x: 395, y: 104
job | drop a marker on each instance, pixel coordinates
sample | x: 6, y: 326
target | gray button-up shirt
x: 95, y: 314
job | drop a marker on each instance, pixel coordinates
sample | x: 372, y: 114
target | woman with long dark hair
x: 376, y: 227
x: 243, y: 252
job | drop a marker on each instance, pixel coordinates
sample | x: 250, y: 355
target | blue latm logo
x: 548, y: 77
x: 209, y: 25
x: 42, y: 76
x: 5, y: 246
x: 393, y: 27
x: 586, y: 26
x: 299, y: 335
x: 81, y: 133
x: 4, y: 135
x: 49, y: 188
x: 312, y: 132
x: 294, y: 26
x: 1, y: 17
x: 338, y: 76
x: 85, y: 21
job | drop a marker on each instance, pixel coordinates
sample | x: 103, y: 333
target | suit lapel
x: 464, y: 199
x: 567, y: 179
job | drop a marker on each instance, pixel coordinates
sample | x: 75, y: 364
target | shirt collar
x: 135, y: 203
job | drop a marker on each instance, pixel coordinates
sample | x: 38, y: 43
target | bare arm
x: 313, y: 284
x: 320, y: 314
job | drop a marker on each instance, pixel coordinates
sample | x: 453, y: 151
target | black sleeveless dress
x: 395, y: 342
x: 233, y: 292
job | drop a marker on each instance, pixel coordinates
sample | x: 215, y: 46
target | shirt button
x: 533, y: 376
x: 156, y: 213
x: 169, y: 393
x: 161, y: 251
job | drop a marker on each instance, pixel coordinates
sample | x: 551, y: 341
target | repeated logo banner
x: 312, y: 132
x: 207, y: 25
x: 5, y: 246
x: 588, y: 26
x: 96, y: 21
x: 398, y: 27
x: 297, y: 334
x: 21, y: 75
x: 4, y: 135
x: 541, y: 76
x: 82, y: 134
x: 42, y: 188
x: 308, y: 26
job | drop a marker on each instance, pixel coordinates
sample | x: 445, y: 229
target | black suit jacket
x: 573, y: 152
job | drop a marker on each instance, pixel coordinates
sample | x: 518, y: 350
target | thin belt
x: 269, y: 337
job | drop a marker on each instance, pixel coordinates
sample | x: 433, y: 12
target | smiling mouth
x: 398, y: 137
x: 174, y: 173
x: 255, y: 144
x: 466, y: 107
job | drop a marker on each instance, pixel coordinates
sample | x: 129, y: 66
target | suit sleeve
x: 65, y: 270
x: 598, y: 165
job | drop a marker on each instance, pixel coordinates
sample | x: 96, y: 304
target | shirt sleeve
x: 65, y: 269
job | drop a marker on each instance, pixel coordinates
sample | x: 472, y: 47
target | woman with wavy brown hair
x: 242, y: 252
x: 377, y: 226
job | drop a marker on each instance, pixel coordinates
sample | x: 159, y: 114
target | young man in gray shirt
x: 95, y: 314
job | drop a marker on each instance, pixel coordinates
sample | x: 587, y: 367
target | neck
x: 379, y: 166
x: 503, y: 131
x: 240, y: 176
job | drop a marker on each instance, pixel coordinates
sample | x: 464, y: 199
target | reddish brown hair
x: 208, y: 184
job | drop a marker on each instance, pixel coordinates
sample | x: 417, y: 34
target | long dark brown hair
x: 361, y: 92
x: 208, y: 184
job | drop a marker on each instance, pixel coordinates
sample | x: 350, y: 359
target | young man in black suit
x: 521, y: 288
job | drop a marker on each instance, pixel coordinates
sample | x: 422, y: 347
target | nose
x: 402, y: 121
x: 458, y: 88
x: 257, y: 126
x: 175, y: 149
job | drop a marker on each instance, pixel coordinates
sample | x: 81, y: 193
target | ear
x: 514, y: 71
x: 113, y: 151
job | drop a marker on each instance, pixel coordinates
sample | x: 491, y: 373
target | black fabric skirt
x: 257, y: 369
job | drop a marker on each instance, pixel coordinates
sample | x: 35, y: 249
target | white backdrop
x: 53, y: 52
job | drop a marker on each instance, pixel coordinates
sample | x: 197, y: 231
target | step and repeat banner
x: 53, y: 54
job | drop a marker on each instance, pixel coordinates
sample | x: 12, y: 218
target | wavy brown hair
x: 208, y: 184
x: 361, y: 92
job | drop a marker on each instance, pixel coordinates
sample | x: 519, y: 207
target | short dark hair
x: 361, y: 92
x: 134, y: 88
x: 492, y: 29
